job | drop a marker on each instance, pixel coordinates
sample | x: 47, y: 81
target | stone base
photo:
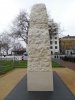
x: 39, y: 81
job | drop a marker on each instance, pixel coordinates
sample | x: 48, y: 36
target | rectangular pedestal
x: 39, y: 81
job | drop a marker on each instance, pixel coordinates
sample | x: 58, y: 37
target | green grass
x: 55, y: 64
x: 6, y: 66
x: 20, y: 64
x: 4, y: 69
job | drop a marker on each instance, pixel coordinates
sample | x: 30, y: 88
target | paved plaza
x: 9, y: 81
x: 61, y: 92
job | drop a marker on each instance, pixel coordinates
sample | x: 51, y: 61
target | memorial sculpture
x: 39, y: 71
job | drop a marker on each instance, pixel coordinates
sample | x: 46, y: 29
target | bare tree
x: 53, y: 27
x: 5, y: 42
x: 20, y: 27
x: 0, y: 47
x: 17, y: 46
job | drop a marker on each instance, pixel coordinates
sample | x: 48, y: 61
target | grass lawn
x: 6, y: 66
x: 20, y: 64
x: 56, y: 65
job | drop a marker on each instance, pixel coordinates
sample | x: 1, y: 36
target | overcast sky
x: 62, y: 11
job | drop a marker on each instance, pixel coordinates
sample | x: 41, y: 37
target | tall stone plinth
x: 39, y: 71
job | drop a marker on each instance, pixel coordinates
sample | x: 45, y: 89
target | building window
x: 55, y: 47
x: 55, y: 33
x: 54, y: 56
x: 56, y: 52
x: 50, y: 37
x: 55, y: 37
x: 51, y: 42
x: 55, y: 42
x: 51, y: 47
x: 51, y: 52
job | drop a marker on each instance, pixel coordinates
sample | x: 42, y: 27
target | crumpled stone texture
x: 39, y: 58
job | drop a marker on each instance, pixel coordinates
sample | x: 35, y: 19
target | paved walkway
x: 68, y: 76
x: 61, y: 92
x: 10, y: 80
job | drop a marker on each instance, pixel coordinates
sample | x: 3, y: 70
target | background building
x: 54, y: 37
x: 54, y: 43
x: 67, y: 45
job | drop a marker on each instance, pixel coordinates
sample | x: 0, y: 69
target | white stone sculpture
x: 39, y: 71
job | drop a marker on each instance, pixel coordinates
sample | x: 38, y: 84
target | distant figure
x: 4, y: 55
x: 22, y: 57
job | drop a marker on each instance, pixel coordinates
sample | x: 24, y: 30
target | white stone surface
x: 39, y: 58
x: 40, y: 81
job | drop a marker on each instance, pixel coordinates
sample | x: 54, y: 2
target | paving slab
x: 61, y: 92
x: 68, y: 77
x: 9, y: 80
